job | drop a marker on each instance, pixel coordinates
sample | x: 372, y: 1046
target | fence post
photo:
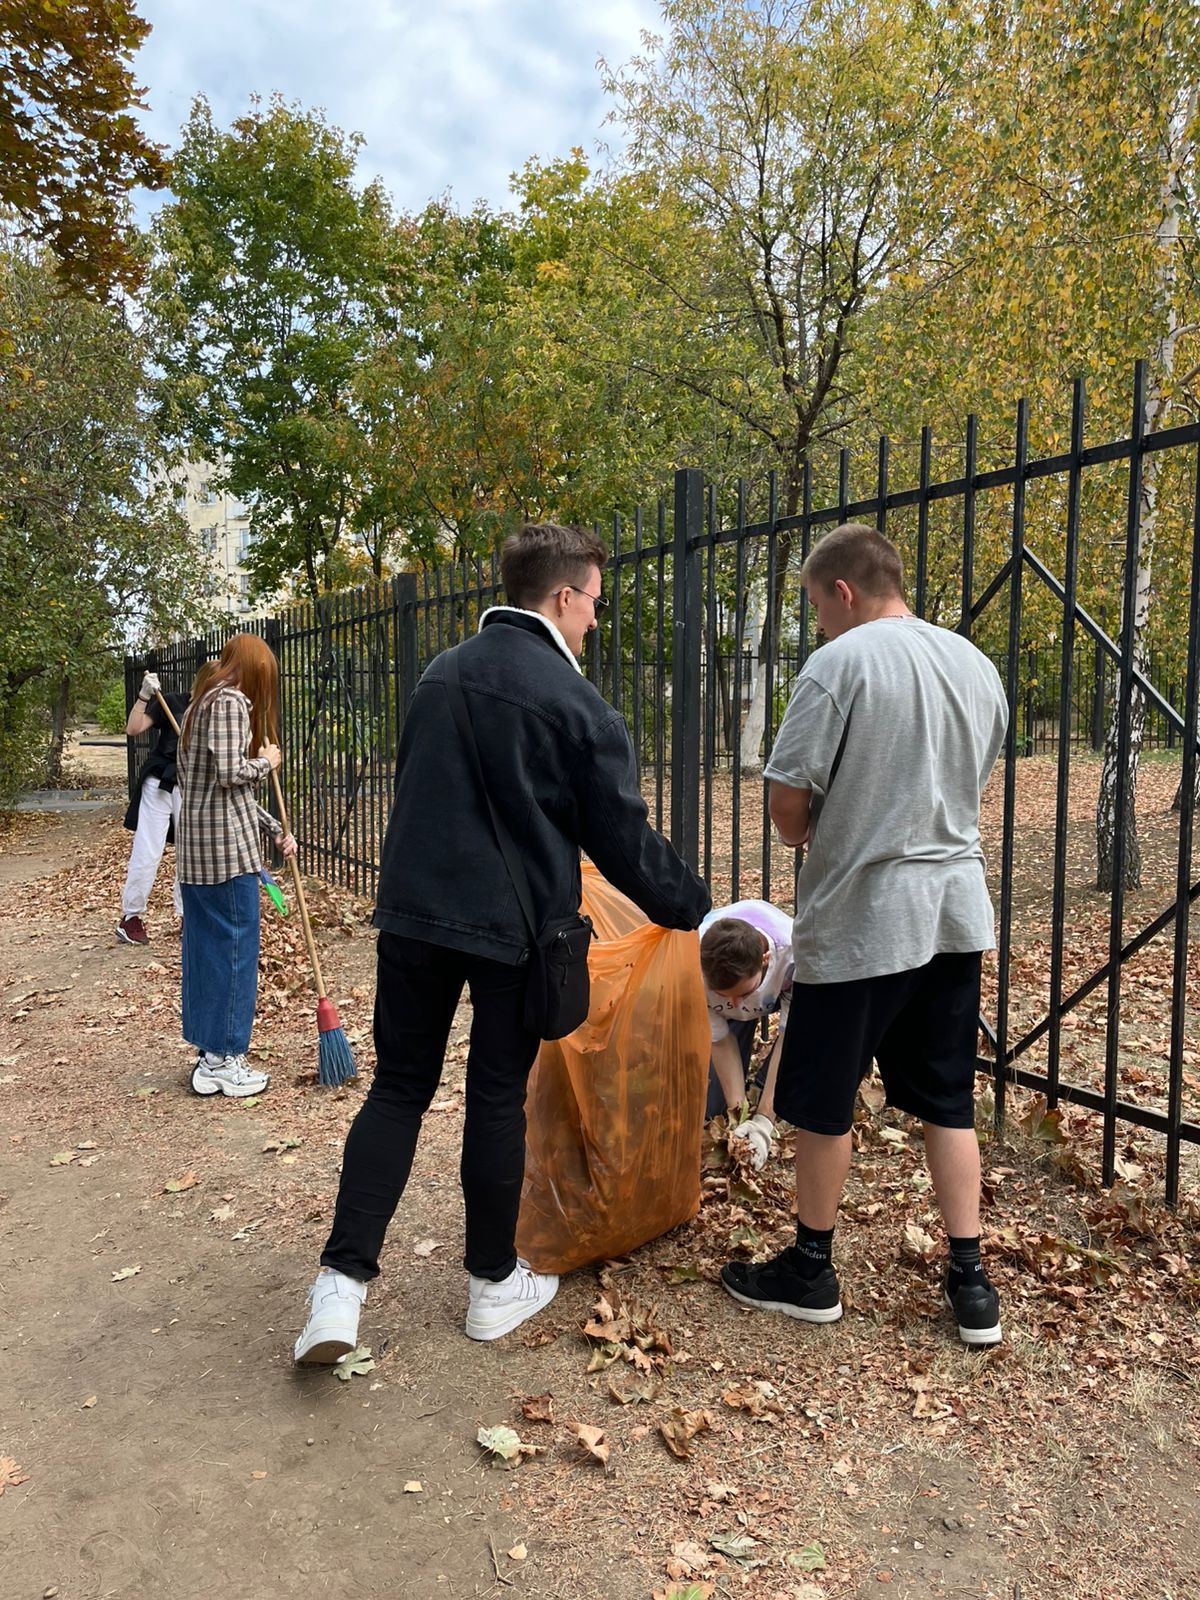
x: 686, y: 633
x: 273, y: 635
x: 406, y: 644
x: 131, y: 689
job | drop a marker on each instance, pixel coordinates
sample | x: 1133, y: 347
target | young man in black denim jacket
x: 561, y: 770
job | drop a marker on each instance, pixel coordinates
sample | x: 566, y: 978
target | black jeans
x: 417, y: 989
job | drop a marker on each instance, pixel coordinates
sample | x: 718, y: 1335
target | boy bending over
x: 746, y: 959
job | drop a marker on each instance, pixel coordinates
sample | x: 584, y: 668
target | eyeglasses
x: 599, y: 603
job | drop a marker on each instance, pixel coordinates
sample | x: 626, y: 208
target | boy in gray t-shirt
x: 878, y: 768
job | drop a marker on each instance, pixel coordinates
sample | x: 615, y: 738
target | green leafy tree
x: 70, y: 151
x: 1068, y: 249
x: 435, y: 394
x: 91, y: 554
x: 795, y: 132
x: 273, y: 283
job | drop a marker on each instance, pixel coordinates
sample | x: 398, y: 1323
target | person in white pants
x: 152, y: 811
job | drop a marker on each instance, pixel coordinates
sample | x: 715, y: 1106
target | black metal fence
x: 707, y: 630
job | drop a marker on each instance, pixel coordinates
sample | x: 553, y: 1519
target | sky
x: 450, y: 95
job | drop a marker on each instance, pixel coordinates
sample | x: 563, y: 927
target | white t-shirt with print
x: 776, y: 986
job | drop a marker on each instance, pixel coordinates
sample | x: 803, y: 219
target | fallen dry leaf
x: 917, y: 1243
x: 258, y: 1474
x: 518, y: 1552
x: 538, y: 1407
x: 810, y: 1559
x: 413, y: 1486
x: 628, y: 1386
x: 739, y: 1547
x: 88, y: 1403
x: 693, y: 1556
x: 125, y: 1272
x: 178, y: 1185
x: 354, y: 1363
x: 426, y: 1247
x: 759, y: 1399
x: 593, y: 1442
x: 681, y: 1427
x: 10, y: 1474
x: 505, y: 1444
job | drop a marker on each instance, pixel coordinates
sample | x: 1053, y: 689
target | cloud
x: 450, y: 95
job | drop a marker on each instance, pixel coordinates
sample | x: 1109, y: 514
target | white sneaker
x: 495, y: 1309
x: 227, y: 1075
x: 332, y: 1327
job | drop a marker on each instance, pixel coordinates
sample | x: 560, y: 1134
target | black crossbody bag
x: 558, y: 988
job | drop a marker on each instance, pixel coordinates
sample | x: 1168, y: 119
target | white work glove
x: 150, y: 686
x: 757, y: 1132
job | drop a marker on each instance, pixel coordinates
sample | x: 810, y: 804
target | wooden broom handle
x: 296, y: 879
x: 167, y: 712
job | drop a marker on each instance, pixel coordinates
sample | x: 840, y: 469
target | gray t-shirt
x: 894, y: 727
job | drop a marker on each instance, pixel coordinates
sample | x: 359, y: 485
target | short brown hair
x: 730, y: 952
x: 544, y: 556
x: 860, y: 556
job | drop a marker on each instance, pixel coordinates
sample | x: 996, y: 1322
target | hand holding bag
x: 558, y: 990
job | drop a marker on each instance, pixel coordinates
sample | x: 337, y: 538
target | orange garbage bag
x: 615, y: 1111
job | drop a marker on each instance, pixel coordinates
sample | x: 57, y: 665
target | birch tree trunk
x: 755, y: 725
x: 754, y: 758
x: 1174, y: 155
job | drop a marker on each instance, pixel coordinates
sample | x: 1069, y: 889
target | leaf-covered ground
x: 156, y: 1249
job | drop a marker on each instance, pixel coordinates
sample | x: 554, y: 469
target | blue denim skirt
x: 220, y: 964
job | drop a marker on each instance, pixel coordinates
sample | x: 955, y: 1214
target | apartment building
x: 221, y: 524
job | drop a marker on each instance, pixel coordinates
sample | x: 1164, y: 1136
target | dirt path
x: 164, y: 1438
x: 170, y: 1445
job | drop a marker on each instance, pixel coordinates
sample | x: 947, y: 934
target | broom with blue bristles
x: 335, y: 1063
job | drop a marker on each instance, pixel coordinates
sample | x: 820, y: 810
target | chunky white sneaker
x: 227, y: 1075
x: 495, y: 1309
x: 332, y: 1327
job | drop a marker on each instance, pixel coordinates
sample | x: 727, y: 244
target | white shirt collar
x: 520, y: 611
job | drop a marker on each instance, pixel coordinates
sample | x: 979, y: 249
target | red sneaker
x: 132, y: 930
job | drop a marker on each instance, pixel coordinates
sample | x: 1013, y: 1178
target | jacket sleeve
x: 270, y: 825
x: 615, y: 831
x: 228, y: 736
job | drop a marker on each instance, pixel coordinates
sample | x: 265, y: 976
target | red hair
x: 247, y: 663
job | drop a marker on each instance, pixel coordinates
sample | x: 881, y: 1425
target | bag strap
x: 512, y: 859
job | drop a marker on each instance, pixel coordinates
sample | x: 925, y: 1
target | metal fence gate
x: 707, y: 630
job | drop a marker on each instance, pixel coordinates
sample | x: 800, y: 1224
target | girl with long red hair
x: 232, y: 711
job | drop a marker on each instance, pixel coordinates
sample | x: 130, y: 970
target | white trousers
x: 154, y: 817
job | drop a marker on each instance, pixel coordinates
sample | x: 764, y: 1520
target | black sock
x: 965, y: 1263
x: 813, y: 1251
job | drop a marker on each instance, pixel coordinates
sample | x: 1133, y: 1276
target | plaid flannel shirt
x: 219, y: 819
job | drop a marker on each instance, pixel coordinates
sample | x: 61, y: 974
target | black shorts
x: 921, y: 1026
